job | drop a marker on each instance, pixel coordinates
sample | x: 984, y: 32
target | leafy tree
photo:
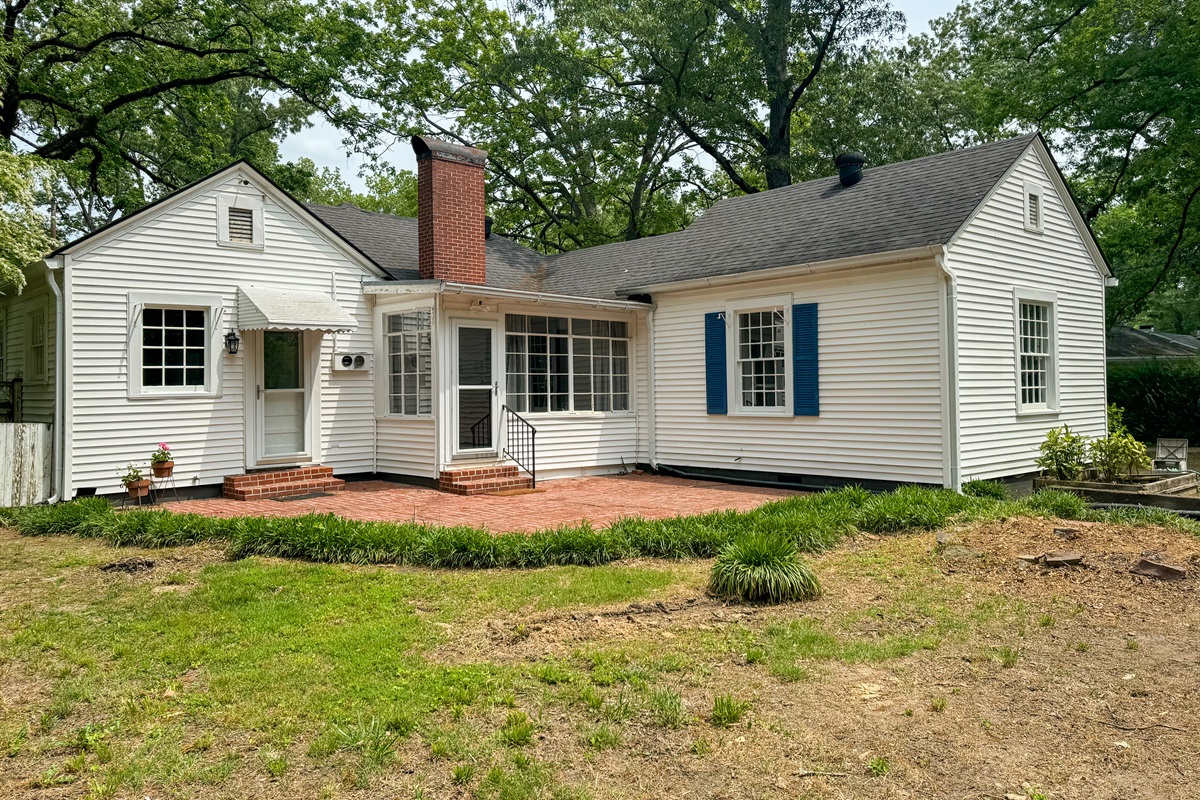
x: 137, y: 97
x: 1116, y: 85
x: 389, y: 190
x: 733, y: 75
x: 24, y: 236
x: 571, y: 162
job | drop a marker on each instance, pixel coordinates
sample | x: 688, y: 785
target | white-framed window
x: 3, y: 345
x: 760, y: 356
x: 240, y: 220
x: 1037, y: 348
x: 1035, y: 207
x: 174, y: 344
x: 565, y: 364
x: 408, y: 336
x: 35, y: 346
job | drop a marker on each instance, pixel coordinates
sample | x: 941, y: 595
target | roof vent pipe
x: 850, y: 167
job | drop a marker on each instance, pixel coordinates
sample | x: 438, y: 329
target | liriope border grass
x: 813, y: 523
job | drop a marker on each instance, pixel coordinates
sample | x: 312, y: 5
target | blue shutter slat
x: 806, y: 388
x: 715, y: 382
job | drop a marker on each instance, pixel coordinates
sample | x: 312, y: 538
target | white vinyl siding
x: 997, y: 261
x: 173, y: 251
x: 880, y: 356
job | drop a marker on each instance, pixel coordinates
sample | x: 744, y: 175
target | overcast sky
x: 323, y: 143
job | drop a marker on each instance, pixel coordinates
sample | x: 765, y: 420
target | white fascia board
x: 890, y: 258
x: 452, y: 287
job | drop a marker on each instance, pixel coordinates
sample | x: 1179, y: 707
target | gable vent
x: 241, y: 225
x: 1035, y: 211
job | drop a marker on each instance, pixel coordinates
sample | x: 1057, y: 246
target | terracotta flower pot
x: 138, y: 488
x: 163, y: 469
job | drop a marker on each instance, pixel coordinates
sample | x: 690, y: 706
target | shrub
x: 1160, y: 397
x: 728, y: 710
x: 1063, y: 453
x: 1117, y: 455
x: 1056, y: 503
x: 763, y: 568
x: 988, y: 490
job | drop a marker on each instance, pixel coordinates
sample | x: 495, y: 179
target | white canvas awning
x: 266, y: 308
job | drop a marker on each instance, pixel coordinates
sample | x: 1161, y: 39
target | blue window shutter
x: 715, y: 381
x: 806, y: 388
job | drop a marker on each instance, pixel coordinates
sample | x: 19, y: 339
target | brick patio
x: 600, y: 500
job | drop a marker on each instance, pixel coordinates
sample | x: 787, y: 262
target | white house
x: 920, y: 322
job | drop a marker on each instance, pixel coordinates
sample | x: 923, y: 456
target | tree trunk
x: 774, y: 49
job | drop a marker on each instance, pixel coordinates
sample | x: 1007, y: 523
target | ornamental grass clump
x: 763, y: 567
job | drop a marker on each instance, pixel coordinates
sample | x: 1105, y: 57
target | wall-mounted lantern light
x: 232, y: 342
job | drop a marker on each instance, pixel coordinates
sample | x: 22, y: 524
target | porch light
x: 232, y: 342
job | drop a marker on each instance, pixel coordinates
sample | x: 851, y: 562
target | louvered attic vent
x: 241, y: 225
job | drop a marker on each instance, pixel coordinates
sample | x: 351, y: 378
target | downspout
x: 59, y: 349
x: 952, y: 423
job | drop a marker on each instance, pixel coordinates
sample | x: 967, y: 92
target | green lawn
x: 206, y: 677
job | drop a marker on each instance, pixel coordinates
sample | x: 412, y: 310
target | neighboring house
x: 1129, y: 345
x: 926, y: 324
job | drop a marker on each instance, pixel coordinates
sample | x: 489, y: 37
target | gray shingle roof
x: 1126, y: 342
x: 895, y: 207
x: 391, y: 242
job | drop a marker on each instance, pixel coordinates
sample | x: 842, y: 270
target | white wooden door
x: 476, y: 387
x: 283, y: 397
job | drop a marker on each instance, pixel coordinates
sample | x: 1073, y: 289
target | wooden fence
x: 25, y: 459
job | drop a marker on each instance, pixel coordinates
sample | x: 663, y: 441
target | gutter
x: 893, y: 257
x: 59, y: 458
x: 453, y: 287
x: 950, y: 392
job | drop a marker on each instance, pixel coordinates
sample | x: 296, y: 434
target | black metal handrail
x: 10, y: 400
x: 481, y: 431
x: 520, y: 442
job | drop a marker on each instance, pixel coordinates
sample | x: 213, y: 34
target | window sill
x: 172, y: 395
x: 1037, y: 412
x: 572, y: 414
x: 405, y: 417
x: 770, y: 412
x: 241, y: 245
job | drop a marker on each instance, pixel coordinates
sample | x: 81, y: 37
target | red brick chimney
x: 450, y: 218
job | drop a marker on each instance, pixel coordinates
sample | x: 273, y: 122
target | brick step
x: 281, y: 483
x: 483, y: 480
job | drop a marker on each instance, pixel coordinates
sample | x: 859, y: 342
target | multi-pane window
x: 1035, y: 353
x: 761, y: 359
x: 566, y: 364
x: 35, y: 351
x: 410, y: 363
x: 241, y: 225
x: 174, y: 341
